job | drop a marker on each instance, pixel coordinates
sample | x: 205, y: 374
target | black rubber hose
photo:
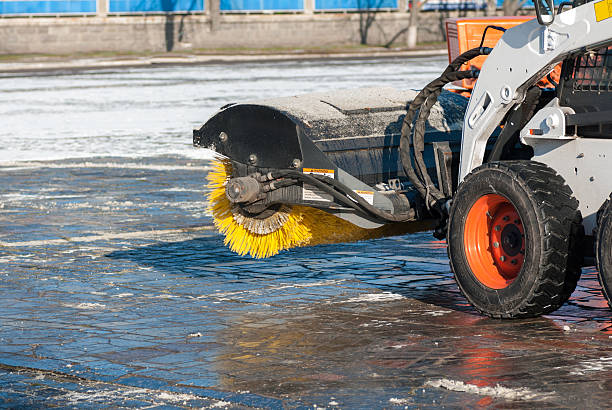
x: 420, y: 128
x: 423, y: 103
x: 412, y: 160
x: 345, y: 195
x: 408, y: 216
x: 298, y: 176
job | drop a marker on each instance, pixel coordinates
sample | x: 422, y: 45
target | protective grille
x: 593, y: 71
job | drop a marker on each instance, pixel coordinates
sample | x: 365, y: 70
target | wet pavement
x: 116, y: 292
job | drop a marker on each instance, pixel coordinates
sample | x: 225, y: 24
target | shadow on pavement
x: 413, y: 266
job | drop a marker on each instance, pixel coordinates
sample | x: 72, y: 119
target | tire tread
x: 603, y: 215
x: 561, y: 224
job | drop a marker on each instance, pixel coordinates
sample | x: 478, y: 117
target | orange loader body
x: 464, y: 33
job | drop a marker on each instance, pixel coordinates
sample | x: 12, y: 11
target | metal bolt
x: 296, y: 163
x: 496, y: 244
x: 498, y: 227
x: 553, y: 121
x: 502, y: 258
x: 513, y: 261
x: 517, y: 222
x: 506, y: 218
x: 223, y: 136
x: 252, y: 158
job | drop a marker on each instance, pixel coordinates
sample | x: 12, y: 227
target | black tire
x: 603, y: 248
x: 550, y: 228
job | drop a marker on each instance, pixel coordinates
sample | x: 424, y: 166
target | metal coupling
x: 242, y: 189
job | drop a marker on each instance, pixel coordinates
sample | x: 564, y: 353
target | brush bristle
x: 303, y: 226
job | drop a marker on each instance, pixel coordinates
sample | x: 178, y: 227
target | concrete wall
x: 159, y: 33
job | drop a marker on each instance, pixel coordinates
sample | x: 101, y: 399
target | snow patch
x: 437, y: 313
x: 220, y: 404
x: 176, y: 397
x: 502, y: 392
x: 376, y: 297
x: 35, y: 163
x: 107, y: 236
x: 399, y: 346
x: 93, y: 395
x: 86, y: 306
x: 592, y: 366
x: 225, y: 295
x: 399, y: 402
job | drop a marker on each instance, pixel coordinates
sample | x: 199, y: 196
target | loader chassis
x: 516, y: 178
x: 546, y: 205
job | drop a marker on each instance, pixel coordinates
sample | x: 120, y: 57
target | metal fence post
x: 214, y: 13
x: 309, y: 6
x: 101, y: 8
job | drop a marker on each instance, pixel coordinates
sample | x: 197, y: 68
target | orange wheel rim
x: 494, y: 241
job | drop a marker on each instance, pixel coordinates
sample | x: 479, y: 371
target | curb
x: 157, y: 61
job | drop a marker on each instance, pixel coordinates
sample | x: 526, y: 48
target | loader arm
x: 524, y: 55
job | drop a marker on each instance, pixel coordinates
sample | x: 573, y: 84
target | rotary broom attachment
x: 323, y: 168
x: 283, y: 227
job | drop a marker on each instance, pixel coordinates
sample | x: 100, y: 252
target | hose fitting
x: 242, y: 190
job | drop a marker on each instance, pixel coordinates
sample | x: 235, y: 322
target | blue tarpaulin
x: 143, y: 6
x: 355, y: 4
x: 259, y: 5
x: 16, y: 7
x: 9, y: 7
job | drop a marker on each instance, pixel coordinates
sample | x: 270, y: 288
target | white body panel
x: 524, y: 54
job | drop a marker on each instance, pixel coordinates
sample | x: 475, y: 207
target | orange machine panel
x: 464, y: 33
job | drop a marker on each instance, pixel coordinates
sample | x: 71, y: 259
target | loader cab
x: 585, y: 85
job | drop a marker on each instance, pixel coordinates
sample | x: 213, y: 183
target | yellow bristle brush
x: 290, y: 227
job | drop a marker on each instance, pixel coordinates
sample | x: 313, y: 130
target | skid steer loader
x: 516, y: 178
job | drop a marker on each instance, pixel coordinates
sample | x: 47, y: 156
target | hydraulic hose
x: 413, y: 136
x: 412, y: 160
x: 344, y: 195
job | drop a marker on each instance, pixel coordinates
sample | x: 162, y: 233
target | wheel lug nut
x: 513, y: 261
x: 497, y: 227
x: 506, y: 218
x: 502, y: 258
x: 517, y: 222
x: 496, y: 244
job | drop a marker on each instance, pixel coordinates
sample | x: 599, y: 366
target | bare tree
x: 367, y: 15
x: 169, y: 8
x: 511, y: 7
x: 491, y: 7
x: 413, y: 24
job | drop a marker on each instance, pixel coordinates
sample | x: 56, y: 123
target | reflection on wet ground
x: 113, y: 281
